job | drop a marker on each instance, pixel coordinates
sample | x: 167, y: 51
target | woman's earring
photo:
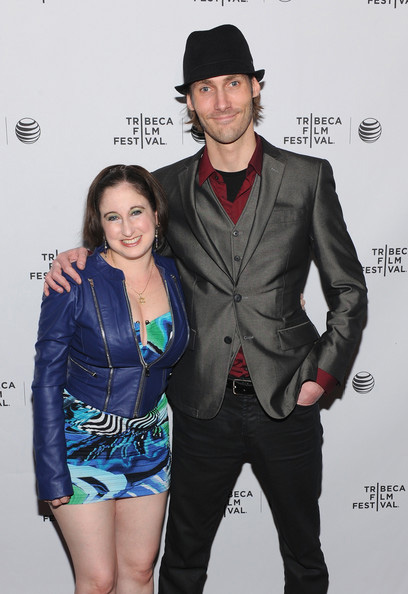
x: 156, y: 238
x: 105, y: 246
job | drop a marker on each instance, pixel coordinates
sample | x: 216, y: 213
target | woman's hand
x: 60, y: 501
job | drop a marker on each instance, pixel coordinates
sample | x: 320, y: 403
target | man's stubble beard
x: 231, y: 133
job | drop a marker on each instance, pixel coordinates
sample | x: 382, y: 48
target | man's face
x: 223, y: 105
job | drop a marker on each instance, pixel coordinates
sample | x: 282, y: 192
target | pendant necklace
x: 140, y: 298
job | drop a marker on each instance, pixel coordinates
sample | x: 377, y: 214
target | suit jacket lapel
x: 267, y: 188
x: 208, y: 221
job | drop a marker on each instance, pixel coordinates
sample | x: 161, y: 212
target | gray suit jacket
x: 242, y: 282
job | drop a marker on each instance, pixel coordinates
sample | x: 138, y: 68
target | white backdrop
x: 88, y: 83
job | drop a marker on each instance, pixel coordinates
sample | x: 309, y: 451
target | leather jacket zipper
x: 145, y: 371
x: 146, y: 366
x: 105, y: 343
x: 82, y: 367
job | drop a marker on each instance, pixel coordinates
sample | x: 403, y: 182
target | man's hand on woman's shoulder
x: 54, y: 279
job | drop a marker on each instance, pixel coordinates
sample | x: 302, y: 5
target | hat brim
x: 183, y: 89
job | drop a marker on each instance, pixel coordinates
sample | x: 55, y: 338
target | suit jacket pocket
x: 297, y: 336
x: 281, y: 215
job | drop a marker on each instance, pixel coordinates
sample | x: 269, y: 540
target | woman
x: 104, y: 353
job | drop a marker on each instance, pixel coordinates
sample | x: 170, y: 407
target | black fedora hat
x: 216, y: 52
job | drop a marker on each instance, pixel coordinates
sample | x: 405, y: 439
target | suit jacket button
x: 237, y: 298
x: 228, y: 339
x: 235, y: 233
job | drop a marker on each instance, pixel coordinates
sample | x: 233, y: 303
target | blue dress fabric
x: 113, y: 457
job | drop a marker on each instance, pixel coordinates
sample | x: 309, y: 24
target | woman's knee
x: 139, y: 572
x: 101, y: 583
x: 144, y: 574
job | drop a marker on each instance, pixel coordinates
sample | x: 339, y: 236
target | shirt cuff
x: 326, y: 381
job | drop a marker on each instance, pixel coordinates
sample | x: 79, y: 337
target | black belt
x: 240, y: 387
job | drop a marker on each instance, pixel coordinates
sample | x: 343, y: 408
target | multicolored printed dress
x: 112, y: 457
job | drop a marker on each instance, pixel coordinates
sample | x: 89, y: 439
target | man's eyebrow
x: 208, y: 81
x: 203, y: 81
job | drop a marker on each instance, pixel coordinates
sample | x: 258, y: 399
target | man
x: 245, y: 218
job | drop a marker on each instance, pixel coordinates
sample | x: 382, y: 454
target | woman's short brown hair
x: 143, y: 182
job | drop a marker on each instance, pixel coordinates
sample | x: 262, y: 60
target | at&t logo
x: 28, y: 130
x: 370, y: 130
x: 363, y: 382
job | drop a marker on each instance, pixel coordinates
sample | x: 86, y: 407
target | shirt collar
x: 205, y: 168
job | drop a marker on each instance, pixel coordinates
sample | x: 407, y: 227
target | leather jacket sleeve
x: 55, y: 331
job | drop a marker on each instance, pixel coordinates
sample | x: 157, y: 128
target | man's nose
x: 222, y: 101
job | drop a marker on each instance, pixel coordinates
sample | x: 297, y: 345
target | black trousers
x: 208, y: 455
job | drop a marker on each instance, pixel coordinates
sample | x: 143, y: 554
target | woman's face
x: 128, y: 222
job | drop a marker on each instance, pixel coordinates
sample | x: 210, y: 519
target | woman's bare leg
x: 89, y: 531
x: 139, y: 523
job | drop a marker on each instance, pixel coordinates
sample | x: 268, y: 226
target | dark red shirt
x: 234, y: 210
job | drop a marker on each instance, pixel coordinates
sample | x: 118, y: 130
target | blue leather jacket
x: 87, y: 345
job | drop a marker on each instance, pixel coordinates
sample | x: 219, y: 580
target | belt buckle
x: 236, y: 386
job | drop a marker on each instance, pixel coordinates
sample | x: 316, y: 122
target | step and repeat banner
x: 88, y: 83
